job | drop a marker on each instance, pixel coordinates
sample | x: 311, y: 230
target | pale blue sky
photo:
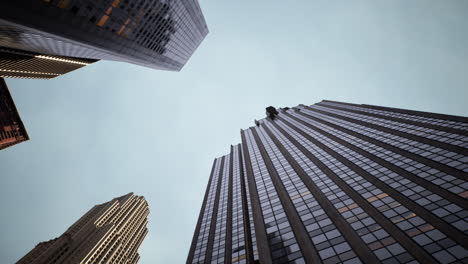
x: 112, y: 128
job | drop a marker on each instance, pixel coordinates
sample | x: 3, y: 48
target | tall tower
x: 160, y: 34
x: 110, y: 232
x: 339, y: 183
x: 12, y: 130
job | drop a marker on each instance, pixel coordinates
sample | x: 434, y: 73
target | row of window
x: 438, y: 135
x: 451, y: 159
x: 388, y: 206
x: 202, y: 239
x: 427, y: 120
x: 278, y: 228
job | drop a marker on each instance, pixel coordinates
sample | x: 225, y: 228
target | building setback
x: 110, y: 232
x: 159, y: 34
x: 12, y: 130
x: 23, y: 64
x: 339, y: 183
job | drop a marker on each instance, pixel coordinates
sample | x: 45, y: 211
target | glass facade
x: 161, y: 34
x: 200, y: 251
x: 341, y: 183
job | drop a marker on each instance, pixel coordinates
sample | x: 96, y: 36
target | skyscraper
x: 110, y: 232
x: 23, y: 64
x: 159, y: 34
x: 339, y: 183
x: 12, y: 130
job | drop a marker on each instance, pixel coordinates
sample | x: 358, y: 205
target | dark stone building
x: 12, y: 130
x: 160, y: 34
x: 339, y: 183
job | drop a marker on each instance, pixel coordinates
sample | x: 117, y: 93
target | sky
x: 112, y: 128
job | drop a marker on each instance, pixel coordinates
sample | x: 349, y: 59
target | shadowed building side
x: 12, y: 130
x: 110, y: 232
x: 23, y: 64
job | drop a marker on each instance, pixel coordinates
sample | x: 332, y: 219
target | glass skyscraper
x: 44, y: 39
x: 339, y: 183
x: 110, y: 232
x: 160, y: 34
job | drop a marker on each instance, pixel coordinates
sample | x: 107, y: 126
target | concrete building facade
x: 110, y: 232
